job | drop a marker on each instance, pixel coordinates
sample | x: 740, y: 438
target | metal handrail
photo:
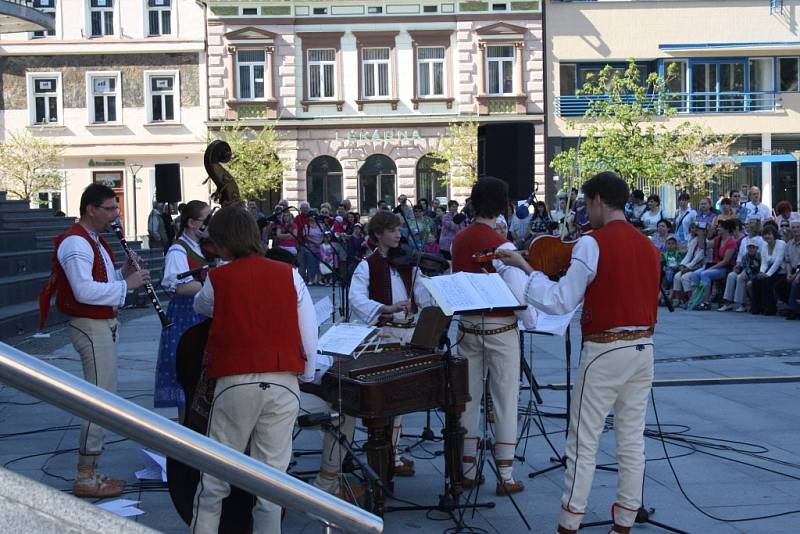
x: 691, y: 103
x: 110, y: 411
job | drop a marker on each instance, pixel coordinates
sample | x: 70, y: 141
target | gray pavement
x: 760, y: 422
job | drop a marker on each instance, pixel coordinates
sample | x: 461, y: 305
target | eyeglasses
x: 108, y: 208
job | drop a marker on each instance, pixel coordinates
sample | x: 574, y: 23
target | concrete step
x: 26, y: 261
x: 11, y: 241
x: 39, y: 213
x: 14, y: 205
x: 57, y: 225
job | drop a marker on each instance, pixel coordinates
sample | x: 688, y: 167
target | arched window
x: 429, y: 183
x: 376, y: 181
x: 324, y: 181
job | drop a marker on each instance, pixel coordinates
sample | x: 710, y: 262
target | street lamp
x: 135, y: 168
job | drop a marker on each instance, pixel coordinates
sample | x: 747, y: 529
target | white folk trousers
x: 499, y: 356
x: 612, y: 376
x: 259, y: 409
x: 96, y: 342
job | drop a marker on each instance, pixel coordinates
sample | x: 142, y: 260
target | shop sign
x: 379, y: 135
x: 106, y: 163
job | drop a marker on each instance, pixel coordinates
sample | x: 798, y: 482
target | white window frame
x: 160, y: 9
x: 322, y: 78
x: 31, y: 77
x: 375, y: 63
x: 54, y: 11
x: 176, y: 91
x: 251, y: 65
x: 90, y: 96
x: 500, y: 61
x: 428, y: 64
x: 114, y: 18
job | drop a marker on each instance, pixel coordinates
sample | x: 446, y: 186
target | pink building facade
x: 361, y: 94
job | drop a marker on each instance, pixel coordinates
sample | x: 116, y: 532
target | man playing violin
x: 490, y: 340
x: 386, y: 293
x: 616, y: 370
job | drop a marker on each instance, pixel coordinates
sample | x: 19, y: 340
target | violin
x: 547, y: 254
x: 429, y: 263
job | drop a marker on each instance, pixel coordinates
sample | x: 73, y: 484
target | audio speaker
x: 505, y: 151
x: 168, y: 182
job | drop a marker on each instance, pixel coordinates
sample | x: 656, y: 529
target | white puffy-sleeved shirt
x: 306, y: 318
x: 516, y: 279
x: 76, y: 257
x: 367, y: 310
x: 176, y: 262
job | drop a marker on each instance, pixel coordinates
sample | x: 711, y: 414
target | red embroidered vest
x: 59, y: 284
x: 624, y: 291
x: 380, y: 279
x: 255, y: 327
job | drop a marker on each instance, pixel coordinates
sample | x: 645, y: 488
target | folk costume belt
x: 492, y: 332
x: 393, y: 324
x: 624, y: 335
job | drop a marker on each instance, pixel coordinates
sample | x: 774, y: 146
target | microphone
x: 316, y: 419
x: 194, y: 271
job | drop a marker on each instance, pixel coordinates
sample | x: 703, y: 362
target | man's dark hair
x: 638, y: 194
x: 684, y: 196
x: 381, y: 221
x: 282, y: 255
x: 452, y: 202
x: 732, y: 191
x: 610, y: 188
x: 655, y: 198
x: 94, y: 195
x: 489, y: 197
x: 235, y: 229
x: 728, y: 225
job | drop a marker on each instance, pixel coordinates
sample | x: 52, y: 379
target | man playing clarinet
x: 616, y: 369
x: 89, y: 290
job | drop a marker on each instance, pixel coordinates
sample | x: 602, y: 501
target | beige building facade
x: 738, y: 65
x: 361, y: 92
x: 121, y: 84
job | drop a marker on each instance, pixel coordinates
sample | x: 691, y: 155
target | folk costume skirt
x: 168, y: 393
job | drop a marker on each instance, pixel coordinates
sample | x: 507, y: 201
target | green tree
x: 29, y: 164
x: 256, y: 163
x: 456, y: 156
x: 626, y: 130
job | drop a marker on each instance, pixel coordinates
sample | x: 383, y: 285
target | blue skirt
x: 168, y: 392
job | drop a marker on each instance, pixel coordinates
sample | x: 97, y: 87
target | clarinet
x: 165, y: 322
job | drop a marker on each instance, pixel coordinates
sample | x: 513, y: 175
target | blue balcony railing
x: 729, y: 102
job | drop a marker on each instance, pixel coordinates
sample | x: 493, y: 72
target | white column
x: 766, y: 170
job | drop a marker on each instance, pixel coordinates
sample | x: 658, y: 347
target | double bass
x: 182, y: 480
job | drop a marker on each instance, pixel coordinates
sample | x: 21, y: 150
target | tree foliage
x: 29, y: 164
x: 456, y: 156
x: 256, y: 163
x: 626, y: 130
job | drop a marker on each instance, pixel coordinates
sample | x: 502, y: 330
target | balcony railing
x: 728, y: 102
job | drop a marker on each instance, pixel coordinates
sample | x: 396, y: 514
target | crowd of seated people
x: 743, y: 255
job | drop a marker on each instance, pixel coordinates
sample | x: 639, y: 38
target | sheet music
x: 553, y: 324
x: 493, y: 290
x: 324, y: 309
x: 343, y: 338
x: 469, y: 291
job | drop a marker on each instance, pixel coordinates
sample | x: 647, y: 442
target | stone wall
x: 74, y: 68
